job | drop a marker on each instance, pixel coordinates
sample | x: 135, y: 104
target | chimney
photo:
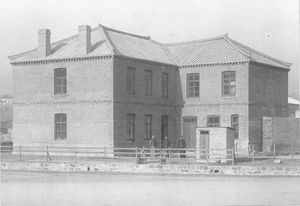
x: 44, y: 47
x: 84, y: 37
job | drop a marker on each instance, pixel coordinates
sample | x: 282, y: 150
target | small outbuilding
x: 215, y: 144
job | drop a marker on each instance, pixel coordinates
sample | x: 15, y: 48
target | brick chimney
x: 44, y: 47
x: 84, y: 37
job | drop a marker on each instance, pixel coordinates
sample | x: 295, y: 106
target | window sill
x: 228, y: 96
x: 60, y: 95
x: 192, y: 97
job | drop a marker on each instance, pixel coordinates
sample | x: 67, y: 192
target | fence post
x: 20, y: 153
x: 292, y: 150
x: 75, y: 153
x: 232, y: 155
x: 47, y: 152
x: 274, y: 151
x: 104, y: 152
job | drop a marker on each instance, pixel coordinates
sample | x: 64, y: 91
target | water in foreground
x: 32, y: 188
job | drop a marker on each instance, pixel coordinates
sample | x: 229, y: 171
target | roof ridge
x: 227, y: 39
x: 196, y: 40
x: 260, y: 53
x: 108, y: 40
x: 126, y: 33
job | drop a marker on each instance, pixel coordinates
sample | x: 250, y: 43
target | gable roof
x: 107, y: 42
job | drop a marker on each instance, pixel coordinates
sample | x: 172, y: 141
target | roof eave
x: 269, y: 65
x: 67, y: 59
x: 212, y: 64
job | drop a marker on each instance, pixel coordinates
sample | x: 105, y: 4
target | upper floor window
x: 130, y: 127
x: 60, y: 126
x: 60, y: 81
x: 148, y: 126
x: 228, y: 83
x: 192, y: 85
x: 235, y: 124
x: 148, y: 83
x: 131, y: 81
x: 213, y: 121
x: 164, y: 85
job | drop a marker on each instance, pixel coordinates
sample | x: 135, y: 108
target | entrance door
x: 204, y: 144
x: 189, y: 131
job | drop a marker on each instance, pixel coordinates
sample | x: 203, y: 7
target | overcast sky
x: 270, y: 26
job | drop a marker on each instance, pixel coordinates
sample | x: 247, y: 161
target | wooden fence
x: 96, y: 154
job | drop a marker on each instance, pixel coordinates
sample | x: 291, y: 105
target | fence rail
x: 96, y: 154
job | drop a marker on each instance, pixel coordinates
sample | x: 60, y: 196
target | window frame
x: 60, y: 81
x: 130, y: 83
x: 191, y: 91
x: 60, y: 126
x: 165, y: 85
x: 148, y: 119
x: 165, y: 125
x: 148, y: 82
x: 236, y: 123
x: 213, y: 124
x: 189, y: 119
x: 228, y: 90
x: 130, y: 127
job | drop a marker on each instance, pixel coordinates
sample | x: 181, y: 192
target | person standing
x: 166, y: 143
x: 153, y: 145
x: 181, y: 145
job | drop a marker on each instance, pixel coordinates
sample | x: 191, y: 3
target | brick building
x: 107, y: 87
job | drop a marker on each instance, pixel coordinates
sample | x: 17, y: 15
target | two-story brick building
x: 106, y: 87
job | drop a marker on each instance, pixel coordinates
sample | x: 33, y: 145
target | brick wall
x: 88, y: 103
x: 284, y: 132
x: 211, y: 101
x: 139, y: 104
x: 268, y: 96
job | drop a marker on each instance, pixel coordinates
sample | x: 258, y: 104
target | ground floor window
x: 235, y: 124
x: 130, y: 127
x: 60, y: 126
x: 164, y: 126
x: 148, y: 126
x: 213, y: 121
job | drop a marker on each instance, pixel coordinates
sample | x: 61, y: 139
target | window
x: 60, y: 81
x: 164, y: 126
x: 213, y: 121
x: 148, y: 83
x: 235, y: 125
x: 148, y: 126
x: 131, y: 81
x: 60, y: 124
x: 130, y: 127
x: 228, y: 83
x: 192, y: 85
x: 164, y: 85
x: 190, y: 119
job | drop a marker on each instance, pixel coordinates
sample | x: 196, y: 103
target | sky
x: 269, y: 26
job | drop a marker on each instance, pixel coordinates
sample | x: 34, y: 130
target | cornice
x: 58, y: 60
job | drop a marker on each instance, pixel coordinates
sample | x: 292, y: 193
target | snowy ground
x: 36, y: 188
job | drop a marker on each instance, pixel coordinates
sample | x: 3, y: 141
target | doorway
x: 189, y: 131
x: 204, y: 144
